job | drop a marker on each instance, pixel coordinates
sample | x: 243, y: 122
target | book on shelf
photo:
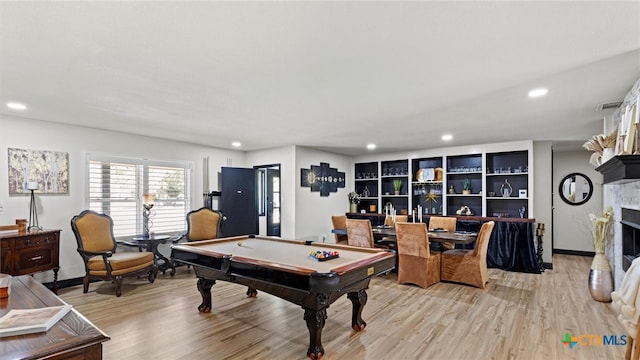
x: 29, y: 321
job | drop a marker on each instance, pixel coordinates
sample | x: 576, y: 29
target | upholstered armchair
x: 417, y: 264
x: 444, y: 222
x: 469, y: 266
x: 359, y: 233
x: 202, y: 224
x: 340, y: 222
x: 97, y: 247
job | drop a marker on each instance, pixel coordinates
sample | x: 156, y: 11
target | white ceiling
x: 329, y: 75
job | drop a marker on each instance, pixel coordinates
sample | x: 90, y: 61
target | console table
x: 72, y: 337
x: 30, y: 252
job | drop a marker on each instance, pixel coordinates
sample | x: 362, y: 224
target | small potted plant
x: 397, y: 186
x: 466, y: 187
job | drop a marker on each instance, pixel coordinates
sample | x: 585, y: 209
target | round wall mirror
x: 576, y: 189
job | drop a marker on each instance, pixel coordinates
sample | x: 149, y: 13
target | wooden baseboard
x: 67, y: 283
x: 574, y: 252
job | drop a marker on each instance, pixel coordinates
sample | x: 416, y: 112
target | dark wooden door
x: 239, y: 201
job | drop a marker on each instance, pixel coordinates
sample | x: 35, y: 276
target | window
x: 116, y: 185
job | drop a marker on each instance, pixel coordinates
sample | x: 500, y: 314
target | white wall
x: 313, y: 212
x: 305, y: 215
x: 55, y: 211
x: 285, y: 156
x: 571, y: 230
x: 543, y: 186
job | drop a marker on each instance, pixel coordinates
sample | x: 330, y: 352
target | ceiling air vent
x: 607, y: 106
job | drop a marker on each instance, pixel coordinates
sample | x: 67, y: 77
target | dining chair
x: 390, y: 241
x: 97, y: 247
x: 444, y: 222
x: 468, y: 266
x: 359, y: 233
x: 388, y: 220
x: 340, y: 223
x: 417, y: 264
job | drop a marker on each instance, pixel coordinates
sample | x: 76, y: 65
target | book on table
x: 29, y: 321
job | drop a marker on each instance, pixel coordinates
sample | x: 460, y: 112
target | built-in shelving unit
x: 500, y: 184
x: 366, y: 185
x: 395, y: 171
x: 507, y: 183
x: 427, y: 185
x: 459, y: 170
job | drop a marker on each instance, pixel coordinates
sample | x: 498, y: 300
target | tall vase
x: 353, y: 208
x: 607, y: 154
x: 600, y: 278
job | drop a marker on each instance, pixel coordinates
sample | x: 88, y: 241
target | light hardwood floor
x: 518, y: 316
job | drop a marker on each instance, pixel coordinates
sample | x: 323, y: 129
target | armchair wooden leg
x: 627, y: 354
x: 85, y: 284
x: 153, y: 273
x: 118, y: 282
x: 172, y: 265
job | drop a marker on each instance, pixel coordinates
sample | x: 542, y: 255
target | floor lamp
x: 33, y: 212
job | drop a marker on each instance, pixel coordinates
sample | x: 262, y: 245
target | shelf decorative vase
x: 600, y: 278
x: 607, y: 154
x: 353, y: 208
x: 506, y: 189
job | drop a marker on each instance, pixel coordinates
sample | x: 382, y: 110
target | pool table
x: 284, y: 268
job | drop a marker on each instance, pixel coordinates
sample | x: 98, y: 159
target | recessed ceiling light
x: 538, y: 92
x: 16, y: 106
x: 371, y: 146
x: 447, y: 137
x: 236, y: 144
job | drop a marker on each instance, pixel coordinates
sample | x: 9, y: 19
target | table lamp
x: 148, y: 200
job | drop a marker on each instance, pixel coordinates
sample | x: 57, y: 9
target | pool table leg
x: 251, y: 292
x: 315, y: 322
x: 204, y: 287
x: 359, y: 299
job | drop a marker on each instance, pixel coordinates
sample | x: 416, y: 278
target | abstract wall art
x: 48, y: 170
x: 322, y: 178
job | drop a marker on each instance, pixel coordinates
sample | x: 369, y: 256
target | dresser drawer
x: 37, y: 240
x: 37, y: 258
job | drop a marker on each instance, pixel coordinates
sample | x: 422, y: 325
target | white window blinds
x: 116, y: 185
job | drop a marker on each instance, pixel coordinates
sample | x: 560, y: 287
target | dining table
x: 387, y: 234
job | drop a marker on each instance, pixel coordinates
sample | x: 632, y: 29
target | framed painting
x: 45, y: 171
